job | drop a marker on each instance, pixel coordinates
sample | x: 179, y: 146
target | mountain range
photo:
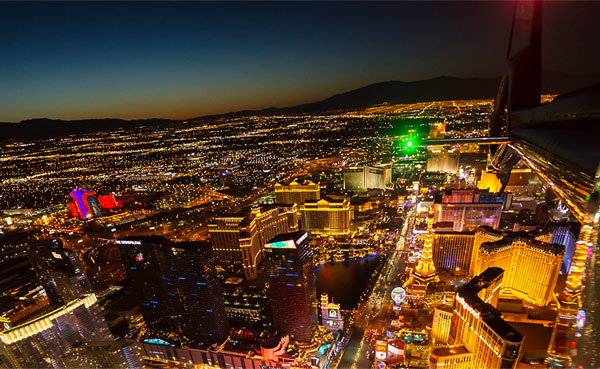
x: 391, y: 92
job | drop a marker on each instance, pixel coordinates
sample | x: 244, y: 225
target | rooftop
x: 449, y: 351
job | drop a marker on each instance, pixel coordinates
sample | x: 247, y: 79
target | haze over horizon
x: 180, y: 60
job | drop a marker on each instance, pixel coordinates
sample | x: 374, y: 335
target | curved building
x: 43, y: 341
x: 531, y: 267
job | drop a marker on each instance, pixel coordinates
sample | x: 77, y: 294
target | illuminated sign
x: 580, y: 319
x: 467, y: 306
x: 139, y: 257
x: 381, y: 349
x: 333, y: 313
x: 398, y: 295
x: 128, y: 242
x: 323, y: 348
x: 56, y: 255
x: 302, y: 238
x: 289, y: 244
x: 333, y: 325
x: 5, y: 322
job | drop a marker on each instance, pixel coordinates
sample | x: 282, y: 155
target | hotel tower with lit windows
x: 290, y: 266
x: 239, y: 238
x: 478, y: 326
x: 327, y: 217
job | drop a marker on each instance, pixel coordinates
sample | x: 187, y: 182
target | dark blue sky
x: 134, y: 60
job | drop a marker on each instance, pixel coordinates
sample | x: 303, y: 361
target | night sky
x: 178, y: 60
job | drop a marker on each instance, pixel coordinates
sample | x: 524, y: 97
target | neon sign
x: 467, y: 306
x: 128, y: 242
x: 381, y: 349
x: 289, y: 244
x: 580, y: 319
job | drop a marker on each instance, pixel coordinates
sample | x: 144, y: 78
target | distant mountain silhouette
x: 45, y: 128
x: 391, y: 92
x: 440, y: 88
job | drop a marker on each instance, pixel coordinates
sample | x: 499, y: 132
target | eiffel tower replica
x: 424, y: 273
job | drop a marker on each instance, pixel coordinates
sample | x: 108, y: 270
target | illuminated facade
x: 60, y: 272
x: 524, y: 182
x: 326, y: 217
x: 297, y: 193
x: 440, y: 327
x: 452, y: 250
x: 208, y: 359
x: 42, y: 341
x: 239, y: 238
x: 425, y: 273
x: 86, y: 203
x: 560, y: 355
x: 479, y: 327
x: 443, y: 162
x: 482, y: 234
x: 367, y: 177
x: 469, y: 209
x: 489, y: 181
x: 108, y: 201
x: 177, y: 286
x: 450, y: 357
x: 561, y: 234
x: 290, y: 266
x: 105, y: 354
x: 531, y: 267
x: 330, y: 314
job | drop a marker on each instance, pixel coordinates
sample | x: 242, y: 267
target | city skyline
x: 182, y: 60
x: 447, y: 223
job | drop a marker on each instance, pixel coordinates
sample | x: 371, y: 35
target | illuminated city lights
x: 448, y: 223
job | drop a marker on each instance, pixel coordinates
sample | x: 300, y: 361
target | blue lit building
x: 289, y: 263
x: 562, y: 234
x: 177, y: 284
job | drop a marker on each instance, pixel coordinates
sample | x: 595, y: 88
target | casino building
x: 239, y: 238
x: 42, y: 341
x: 440, y: 327
x: 367, y: 177
x: 330, y: 314
x: 469, y: 209
x: 297, y: 193
x: 290, y: 266
x: 452, y: 250
x: 177, y: 284
x: 326, y: 217
x: 85, y: 204
x: 479, y: 327
x: 531, y: 267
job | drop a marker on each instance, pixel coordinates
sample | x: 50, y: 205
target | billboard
x: 381, y: 349
x: 288, y: 244
x: 580, y: 319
